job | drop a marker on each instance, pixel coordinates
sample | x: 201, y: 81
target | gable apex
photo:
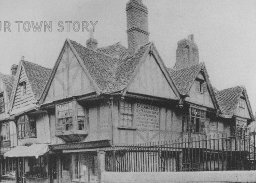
x: 152, y: 52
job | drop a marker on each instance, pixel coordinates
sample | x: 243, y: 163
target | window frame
x: 5, y: 133
x: 23, y: 88
x: 126, y: 115
x: 242, y: 103
x: 200, y: 84
x: 192, y: 122
x: 24, y: 126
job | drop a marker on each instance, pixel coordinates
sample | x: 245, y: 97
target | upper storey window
x: 201, y: 86
x: 126, y: 114
x: 242, y: 103
x: 26, y: 127
x: 2, y: 105
x: 71, y: 117
x: 23, y: 88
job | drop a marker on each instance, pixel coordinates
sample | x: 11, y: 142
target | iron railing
x: 209, y: 153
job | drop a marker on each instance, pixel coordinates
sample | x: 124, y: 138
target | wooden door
x: 53, y: 168
x: 21, y: 170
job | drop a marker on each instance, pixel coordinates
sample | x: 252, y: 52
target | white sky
x: 225, y: 32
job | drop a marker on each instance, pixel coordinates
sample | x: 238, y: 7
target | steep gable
x: 29, y: 83
x: 242, y: 109
x: 199, y: 92
x: 68, y: 78
x: 228, y: 100
x: 145, y: 73
x: 151, y: 81
x: 20, y: 101
x: 186, y: 80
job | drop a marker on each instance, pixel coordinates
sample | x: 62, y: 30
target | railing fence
x: 209, y: 153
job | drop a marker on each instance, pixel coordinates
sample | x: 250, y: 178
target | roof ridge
x: 92, y: 50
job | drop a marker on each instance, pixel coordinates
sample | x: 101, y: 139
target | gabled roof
x: 37, y: 76
x: 184, y: 79
x: 228, y: 100
x: 116, y: 50
x: 8, y: 81
x: 126, y: 69
x: 107, y: 72
x: 129, y: 67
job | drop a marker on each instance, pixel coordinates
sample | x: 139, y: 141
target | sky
x: 224, y: 30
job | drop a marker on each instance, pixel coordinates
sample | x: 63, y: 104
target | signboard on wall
x: 146, y: 117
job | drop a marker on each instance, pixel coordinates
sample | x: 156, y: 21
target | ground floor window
x: 8, y: 166
x: 37, y: 167
x: 85, y: 167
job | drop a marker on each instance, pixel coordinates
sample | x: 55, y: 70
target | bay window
x: 71, y: 116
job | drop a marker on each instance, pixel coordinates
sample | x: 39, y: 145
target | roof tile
x: 37, y: 76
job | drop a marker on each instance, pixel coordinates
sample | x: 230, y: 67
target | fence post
x: 101, y: 164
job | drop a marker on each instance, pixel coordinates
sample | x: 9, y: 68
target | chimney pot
x: 91, y: 42
x: 14, y: 69
x: 191, y: 37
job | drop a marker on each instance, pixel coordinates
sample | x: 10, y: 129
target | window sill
x: 126, y: 128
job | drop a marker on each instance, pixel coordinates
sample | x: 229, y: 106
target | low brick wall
x: 175, y: 177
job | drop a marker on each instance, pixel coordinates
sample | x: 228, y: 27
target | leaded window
x: 26, y: 127
x: 194, y: 121
x: 126, y: 114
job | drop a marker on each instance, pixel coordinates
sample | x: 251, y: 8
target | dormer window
x: 23, y: 88
x: 2, y: 106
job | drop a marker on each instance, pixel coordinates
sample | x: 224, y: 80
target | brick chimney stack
x: 187, y: 53
x: 137, y: 25
x: 91, y: 42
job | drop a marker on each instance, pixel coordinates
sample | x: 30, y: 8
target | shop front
x: 78, y: 162
x: 31, y: 162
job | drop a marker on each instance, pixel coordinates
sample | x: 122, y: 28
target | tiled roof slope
x: 110, y: 74
x: 184, y: 78
x: 116, y: 51
x: 37, y: 76
x: 8, y: 82
x: 228, y: 99
x: 127, y: 66
x: 100, y: 66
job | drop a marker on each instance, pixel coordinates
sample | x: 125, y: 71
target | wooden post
x: 101, y: 164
